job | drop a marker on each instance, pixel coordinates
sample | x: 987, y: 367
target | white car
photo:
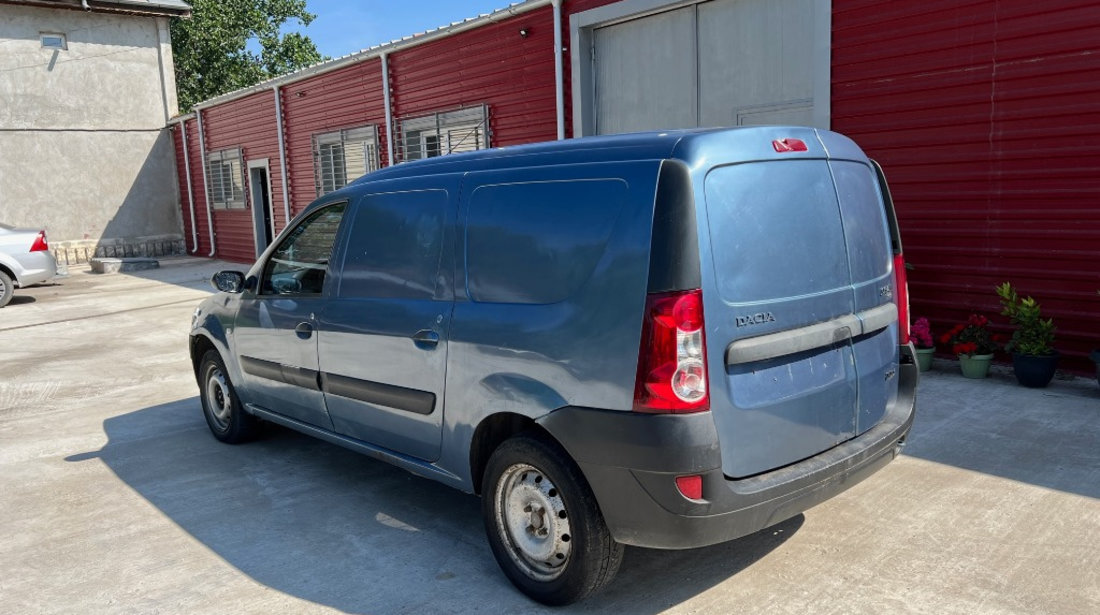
x: 25, y: 259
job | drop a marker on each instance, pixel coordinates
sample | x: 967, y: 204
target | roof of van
x: 691, y: 145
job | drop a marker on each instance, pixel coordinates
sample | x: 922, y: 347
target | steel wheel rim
x: 218, y: 399
x: 532, y: 521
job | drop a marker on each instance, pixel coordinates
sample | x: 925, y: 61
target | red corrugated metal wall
x: 986, y: 118
x: 492, y: 64
x: 347, y: 98
x: 247, y: 123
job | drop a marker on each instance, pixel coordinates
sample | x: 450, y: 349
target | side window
x: 299, y: 263
x: 394, y: 245
x: 538, y: 242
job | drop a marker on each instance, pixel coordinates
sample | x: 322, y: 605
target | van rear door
x: 802, y: 345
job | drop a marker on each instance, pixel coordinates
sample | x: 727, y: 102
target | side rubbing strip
x: 410, y: 400
x: 297, y: 376
x: 814, y: 336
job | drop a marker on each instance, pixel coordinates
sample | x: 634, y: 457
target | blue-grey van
x: 665, y: 340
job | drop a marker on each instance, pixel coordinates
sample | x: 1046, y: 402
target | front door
x: 276, y: 339
x: 383, y: 337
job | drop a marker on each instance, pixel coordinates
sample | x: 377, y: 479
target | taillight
x: 40, y: 244
x: 901, y: 298
x: 672, y: 362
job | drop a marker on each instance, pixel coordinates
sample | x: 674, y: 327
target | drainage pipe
x: 389, y: 111
x: 206, y: 184
x: 190, y: 193
x: 559, y: 88
x: 282, y: 156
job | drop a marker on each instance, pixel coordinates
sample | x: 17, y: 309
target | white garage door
x: 716, y: 63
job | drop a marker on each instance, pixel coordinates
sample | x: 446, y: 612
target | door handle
x: 304, y: 330
x: 426, y: 337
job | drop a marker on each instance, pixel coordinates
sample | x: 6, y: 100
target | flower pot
x: 1095, y: 356
x: 924, y: 358
x: 1034, y: 371
x: 975, y: 365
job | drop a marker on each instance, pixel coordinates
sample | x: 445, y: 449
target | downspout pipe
x: 559, y: 71
x: 282, y: 155
x: 206, y: 184
x: 389, y: 111
x: 190, y: 192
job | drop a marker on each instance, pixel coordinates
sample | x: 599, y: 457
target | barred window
x: 343, y: 156
x: 225, y: 179
x: 463, y: 130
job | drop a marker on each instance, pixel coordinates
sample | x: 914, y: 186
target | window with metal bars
x: 343, y: 156
x: 450, y: 132
x: 225, y: 179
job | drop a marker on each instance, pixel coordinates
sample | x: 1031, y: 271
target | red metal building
x: 984, y: 113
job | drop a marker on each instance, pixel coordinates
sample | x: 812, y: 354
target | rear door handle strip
x: 833, y: 331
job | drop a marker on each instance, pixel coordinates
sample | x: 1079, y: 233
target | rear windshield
x: 775, y: 230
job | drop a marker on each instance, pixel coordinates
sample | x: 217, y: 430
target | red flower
x: 965, y: 348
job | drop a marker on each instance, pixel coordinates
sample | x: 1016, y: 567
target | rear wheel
x: 224, y: 413
x: 544, y: 525
x: 7, y: 288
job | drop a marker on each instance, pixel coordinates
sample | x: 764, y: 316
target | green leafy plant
x: 1033, y: 335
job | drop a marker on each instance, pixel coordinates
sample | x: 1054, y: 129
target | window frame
x: 265, y: 270
x: 415, y: 132
x: 219, y: 169
x: 64, y: 46
x: 331, y: 142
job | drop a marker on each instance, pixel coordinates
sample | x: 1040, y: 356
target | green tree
x: 211, y: 49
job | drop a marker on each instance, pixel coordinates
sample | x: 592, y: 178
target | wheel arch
x: 491, y: 432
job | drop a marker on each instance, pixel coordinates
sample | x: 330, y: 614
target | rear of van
x: 772, y: 373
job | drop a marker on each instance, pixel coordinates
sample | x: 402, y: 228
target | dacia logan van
x: 665, y: 340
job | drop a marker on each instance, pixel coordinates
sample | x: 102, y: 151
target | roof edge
x: 140, y: 8
x: 376, y: 51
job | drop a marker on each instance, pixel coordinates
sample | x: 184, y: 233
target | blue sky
x: 344, y: 26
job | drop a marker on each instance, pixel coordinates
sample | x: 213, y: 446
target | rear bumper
x: 37, y: 267
x: 631, y: 461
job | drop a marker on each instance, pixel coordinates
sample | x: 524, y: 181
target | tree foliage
x: 211, y: 49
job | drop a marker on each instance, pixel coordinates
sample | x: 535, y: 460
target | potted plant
x: 921, y: 334
x: 974, y: 344
x: 1032, y: 345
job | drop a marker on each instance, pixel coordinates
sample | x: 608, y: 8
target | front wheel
x: 544, y: 525
x: 222, y: 408
x: 7, y: 288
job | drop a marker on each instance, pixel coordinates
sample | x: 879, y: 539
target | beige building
x: 86, y: 90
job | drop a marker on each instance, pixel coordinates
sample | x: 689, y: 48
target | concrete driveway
x: 114, y: 498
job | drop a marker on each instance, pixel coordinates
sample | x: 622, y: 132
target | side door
x: 276, y: 324
x: 383, y: 339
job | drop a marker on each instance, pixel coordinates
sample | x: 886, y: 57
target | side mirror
x: 228, y: 281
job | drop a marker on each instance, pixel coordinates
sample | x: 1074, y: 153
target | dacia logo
x: 755, y: 319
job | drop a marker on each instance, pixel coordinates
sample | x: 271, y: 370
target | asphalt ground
x: 114, y: 498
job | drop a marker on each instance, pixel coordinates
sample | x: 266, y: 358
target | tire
x: 565, y: 553
x: 7, y: 289
x: 225, y: 415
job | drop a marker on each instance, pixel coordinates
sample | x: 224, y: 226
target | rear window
x: 775, y: 230
x: 538, y: 242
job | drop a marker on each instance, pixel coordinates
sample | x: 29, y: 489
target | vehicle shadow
x: 18, y: 299
x: 339, y: 529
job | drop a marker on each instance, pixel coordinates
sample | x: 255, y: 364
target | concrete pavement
x: 114, y: 498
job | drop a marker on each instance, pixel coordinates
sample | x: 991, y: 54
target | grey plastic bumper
x: 631, y: 461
